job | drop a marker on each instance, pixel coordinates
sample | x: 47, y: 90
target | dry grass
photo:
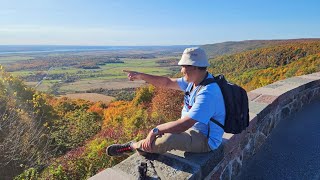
x: 93, y: 97
x: 85, y: 85
x: 31, y: 84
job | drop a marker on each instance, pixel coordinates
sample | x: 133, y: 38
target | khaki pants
x: 189, y: 141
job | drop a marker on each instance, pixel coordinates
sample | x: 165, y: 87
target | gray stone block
x: 111, y: 173
x: 236, y: 166
x: 204, y: 161
x: 248, y: 150
x: 285, y: 112
x: 258, y: 141
x: 226, y: 174
x: 159, y: 166
x: 256, y: 107
x: 298, y: 81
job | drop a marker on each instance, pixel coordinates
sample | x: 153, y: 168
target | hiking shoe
x: 119, y: 149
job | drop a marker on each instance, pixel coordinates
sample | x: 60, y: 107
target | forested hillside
x: 43, y: 137
x: 232, y: 47
x: 35, y: 127
x: 259, y: 67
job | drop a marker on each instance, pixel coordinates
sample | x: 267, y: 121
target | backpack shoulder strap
x: 204, y: 83
x: 217, y: 123
x: 207, y: 81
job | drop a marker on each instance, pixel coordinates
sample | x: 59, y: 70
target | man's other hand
x: 133, y: 75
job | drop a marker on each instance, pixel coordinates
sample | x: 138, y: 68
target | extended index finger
x: 127, y: 71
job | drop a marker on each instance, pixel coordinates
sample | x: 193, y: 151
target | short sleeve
x: 204, y: 106
x: 182, y: 84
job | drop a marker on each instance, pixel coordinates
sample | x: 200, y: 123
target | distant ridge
x: 263, y: 62
x: 19, y: 49
x: 231, y: 47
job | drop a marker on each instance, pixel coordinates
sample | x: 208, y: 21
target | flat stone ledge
x: 257, y: 107
x: 111, y: 173
x: 203, y: 161
x: 313, y: 76
x: 158, y: 166
x: 268, y: 99
x: 171, y: 165
x: 280, y: 87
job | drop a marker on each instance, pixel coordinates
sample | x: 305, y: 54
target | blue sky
x: 155, y: 22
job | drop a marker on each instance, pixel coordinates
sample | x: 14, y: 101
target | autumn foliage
x: 166, y: 105
x: 79, y: 131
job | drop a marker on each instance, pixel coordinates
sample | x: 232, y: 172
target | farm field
x: 86, y: 85
x: 81, y: 72
x: 109, y: 76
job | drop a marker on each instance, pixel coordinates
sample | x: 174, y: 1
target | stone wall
x: 268, y: 106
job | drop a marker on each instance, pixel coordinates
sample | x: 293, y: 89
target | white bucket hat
x: 194, y: 56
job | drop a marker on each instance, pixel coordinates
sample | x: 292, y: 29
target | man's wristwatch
x: 155, y: 131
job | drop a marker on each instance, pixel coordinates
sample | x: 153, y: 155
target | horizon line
x: 150, y: 45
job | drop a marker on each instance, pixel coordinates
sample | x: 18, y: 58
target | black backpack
x: 236, y: 105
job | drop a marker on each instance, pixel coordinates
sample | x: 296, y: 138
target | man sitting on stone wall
x: 193, y: 132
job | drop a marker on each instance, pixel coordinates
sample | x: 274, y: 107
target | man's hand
x: 147, y: 143
x: 133, y: 75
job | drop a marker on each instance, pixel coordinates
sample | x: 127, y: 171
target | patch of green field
x: 114, y: 70
x: 60, y: 70
x: 23, y: 73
